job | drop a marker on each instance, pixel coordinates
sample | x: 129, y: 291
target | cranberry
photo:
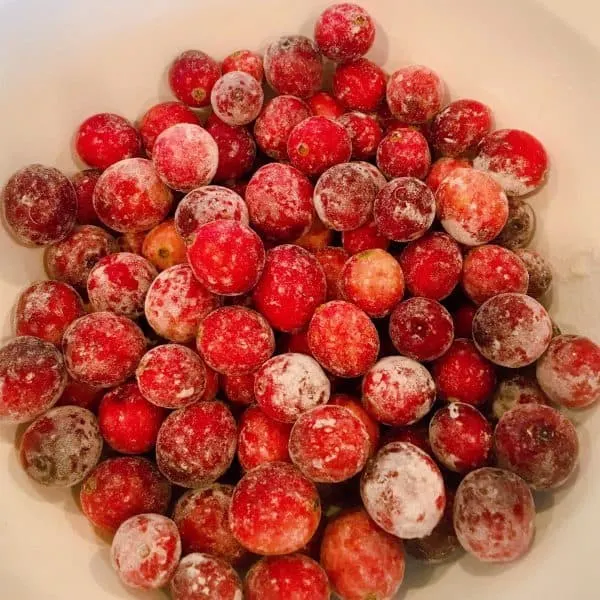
x: 404, y: 153
x: 80, y: 394
x: 84, y: 184
x: 365, y: 237
x: 164, y: 247
x: 239, y: 389
x: 463, y: 320
x: 131, y: 242
x: 359, y: 84
x: 364, y: 132
x: 520, y: 225
x: 355, y: 407
x: 246, y: 61
x: 192, y: 76
x: 418, y: 435
x: 539, y: 270
x: 237, y: 98
x: 443, y: 167
x: 318, y: 236
x: 515, y: 390
x: 162, y: 116
x: 325, y: 105
x: 332, y: 260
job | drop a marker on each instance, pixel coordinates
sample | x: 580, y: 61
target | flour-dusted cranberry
x: 131, y: 242
x: 515, y: 390
x: 122, y: 487
x: 205, y: 577
x: 490, y: 270
x: 512, y: 330
x: 354, y: 406
x: 462, y: 374
x: 196, y: 444
x: 246, y: 61
x: 569, y: 371
x: 45, y: 310
x: 471, y: 206
x: 494, y: 515
x: 417, y: 435
x: 520, y: 225
x: 343, y: 339
x: 332, y: 259
x: 398, y: 391
x: 325, y: 105
x: 162, y: 116
x: 279, y: 200
x: 293, y: 65
x: 432, y: 265
x: 365, y: 237
x: 515, y: 159
x: 364, y: 132
x: 318, y: 236
x: 291, y: 287
x: 237, y: 98
x: 403, y: 491
x: 283, y: 577
x: 80, y: 394
x: 539, y: 270
x: 274, y: 509
x: 238, y: 389
x: 192, y: 76
x: 84, y: 183
x: 421, y: 328
x: 318, y: 143
x: 202, y: 517
x: 185, y: 156
x: 61, y: 447
x: 443, y: 167
x: 176, y: 303
x: 460, y: 437
x: 103, y: 349
x: 458, y: 129
x: 463, y: 320
x: 33, y: 378
x: 404, y: 153
x: 40, y: 205
x: 164, y: 247
x: 145, y: 551
x: 297, y: 342
x: 262, y: 439
x: 359, y: 84
x: 234, y: 340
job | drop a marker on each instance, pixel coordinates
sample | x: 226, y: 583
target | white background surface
x: 62, y: 61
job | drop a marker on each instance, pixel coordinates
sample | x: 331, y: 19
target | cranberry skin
x: 332, y: 261
x: 325, y: 105
x: 163, y: 247
x: 365, y: 237
x: 239, y: 389
x: 515, y: 159
x: 274, y: 509
x: 34, y: 377
x: 291, y: 287
x: 120, y: 488
x: 246, y: 61
x: 61, y: 447
x: 418, y: 435
x: 494, y: 515
x: 443, y: 167
x: 520, y: 225
x: 360, y: 559
x: 145, y: 551
x: 404, y: 153
x: 80, y: 394
x: 237, y: 98
x: 354, y: 406
x: 403, y: 491
x: 569, y: 371
x: 539, y: 271
x: 512, y: 330
x: 131, y: 242
x: 162, y: 116
x: 364, y: 132
x: 40, y: 205
x: 279, y: 200
x: 421, y: 329
x: 462, y: 374
x: 471, y: 206
x: 103, y: 349
x: 414, y: 94
x: 359, y: 85
x: 317, y: 237
x: 515, y: 390
x: 490, y: 270
x: 293, y: 66
x: 318, y: 143
x: 128, y: 422
x: 84, y: 183
x: 45, y: 310
x: 463, y: 320
x: 192, y: 76
x: 196, y: 444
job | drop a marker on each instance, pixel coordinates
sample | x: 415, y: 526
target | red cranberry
x: 246, y: 61
x: 404, y: 153
x: 80, y: 394
x: 239, y: 389
x: 332, y: 261
x: 359, y: 84
x: 84, y: 184
x: 365, y: 237
x: 162, y: 116
x: 364, y: 132
x: 355, y: 407
x: 443, y: 167
x: 323, y: 104
x: 192, y: 76
x: 463, y: 320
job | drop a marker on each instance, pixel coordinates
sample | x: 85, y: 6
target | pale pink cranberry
x: 237, y: 98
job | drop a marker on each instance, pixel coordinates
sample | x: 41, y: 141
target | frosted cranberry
x: 343, y: 339
x: 246, y: 61
x: 323, y: 104
x: 212, y: 385
x: 516, y: 390
x: 421, y: 329
x: 418, y: 435
x: 291, y: 287
x: 415, y: 94
x: 443, y: 167
x: 192, y: 76
x: 569, y: 371
x: 471, y: 206
x: 458, y: 129
x: 359, y: 84
x: 61, y: 447
x: 318, y: 143
x: 494, y: 515
x: 131, y: 242
x: 332, y: 260
x: 398, y: 391
x: 84, y: 183
x: 40, y: 205
x: 204, y: 577
x: 80, y: 394
x: 176, y: 303
x: 490, y: 270
x: 520, y: 225
x: 236, y: 148
x: 120, y: 488
x: 279, y: 200
x: 360, y: 559
x: 274, y: 509
x: 297, y: 342
x: 237, y: 98
x: 463, y: 320
x: 196, y: 444
x: 404, y: 153
x: 462, y: 374
x: 539, y: 270
x: 512, y: 330
x: 515, y: 159
x: 365, y: 237
x: 355, y: 407
x: 145, y: 551
x: 432, y: 265
x: 318, y: 236
x: 293, y: 66
x: 403, y: 491
x: 234, y: 340
x: 103, y: 349
x: 202, y: 517
x: 364, y: 132
x: 239, y: 389
x: 164, y: 247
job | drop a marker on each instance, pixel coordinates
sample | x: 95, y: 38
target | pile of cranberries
x: 282, y: 341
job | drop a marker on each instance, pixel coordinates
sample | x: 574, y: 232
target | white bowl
x: 65, y: 60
